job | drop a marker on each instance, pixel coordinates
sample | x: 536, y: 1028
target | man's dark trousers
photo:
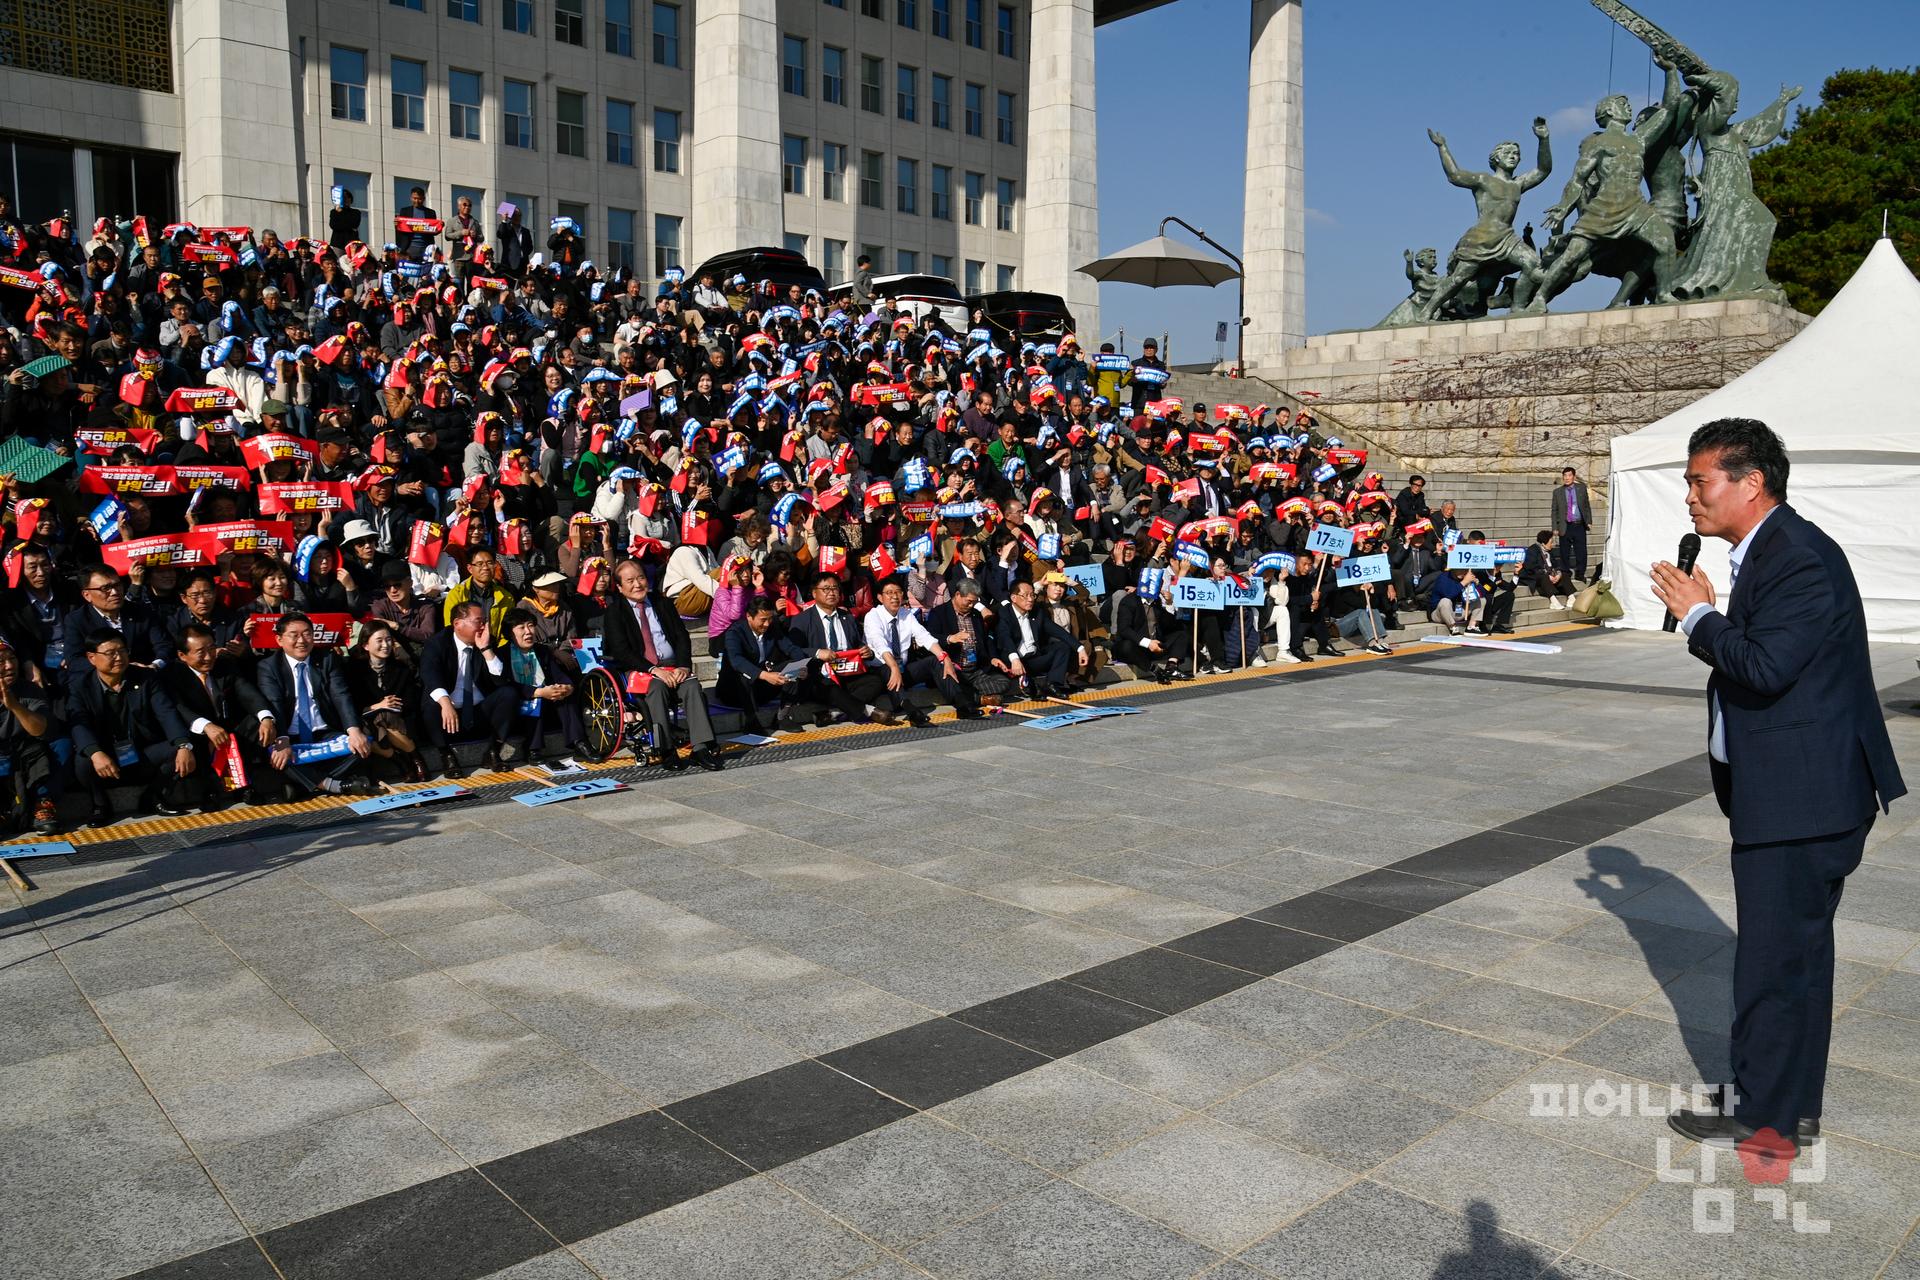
x: 1786, y: 896
x: 1571, y: 550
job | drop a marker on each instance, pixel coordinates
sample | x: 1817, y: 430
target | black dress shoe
x: 450, y: 766
x: 1711, y: 1129
x: 710, y: 759
x: 1302, y: 654
x: 100, y: 815
x: 361, y: 787
x: 1328, y: 651
x: 919, y: 719
x: 973, y: 714
x: 670, y: 759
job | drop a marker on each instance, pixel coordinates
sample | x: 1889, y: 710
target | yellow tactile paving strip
x: 135, y: 829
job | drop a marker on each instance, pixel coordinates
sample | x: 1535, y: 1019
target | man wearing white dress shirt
x: 892, y: 632
x: 306, y: 689
x: 467, y: 683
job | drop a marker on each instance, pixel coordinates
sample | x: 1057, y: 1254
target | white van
x: 918, y: 296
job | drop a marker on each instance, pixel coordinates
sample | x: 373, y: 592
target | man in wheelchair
x: 645, y: 646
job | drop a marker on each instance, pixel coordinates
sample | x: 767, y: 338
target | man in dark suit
x: 107, y: 608
x: 823, y: 629
x: 1572, y: 514
x: 1801, y: 766
x: 638, y: 639
x: 126, y: 729
x: 1148, y: 638
x: 306, y: 689
x: 469, y: 684
x: 964, y: 633
x: 1539, y: 572
x: 754, y: 654
x: 219, y: 704
x: 1032, y: 648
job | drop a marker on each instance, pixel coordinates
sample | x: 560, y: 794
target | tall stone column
x: 736, y: 128
x: 1276, y: 199
x: 1062, y: 232
x: 237, y: 162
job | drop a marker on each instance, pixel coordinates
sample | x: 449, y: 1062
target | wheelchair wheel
x: 603, y: 713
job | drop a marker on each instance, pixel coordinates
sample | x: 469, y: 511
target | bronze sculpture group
x: 1625, y: 212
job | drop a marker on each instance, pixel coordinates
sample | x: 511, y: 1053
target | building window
x: 907, y: 14
x: 870, y: 8
x: 1003, y: 206
x: 833, y: 260
x: 870, y: 71
x: 403, y: 193
x: 1003, y: 117
x: 517, y: 16
x: 464, y: 10
x: 409, y: 94
x: 406, y: 4
x: 516, y: 101
x: 941, y: 205
x: 463, y: 104
x: 666, y: 140
x: 975, y: 273
x: 570, y: 21
x: 976, y: 116
x: 1003, y: 32
x: 872, y: 194
x: 666, y: 45
x: 906, y: 183
x: 941, y: 265
x: 354, y: 183
x: 976, y: 32
x: 619, y: 132
x: 873, y: 252
x: 620, y: 239
x: 976, y: 192
x: 578, y: 212
x: 942, y: 21
x: 793, y: 66
x: 833, y: 171
x: 570, y: 123
x: 833, y: 75
x: 348, y: 71
x: 906, y: 261
x: 666, y: 243
x: 906, y: 103
x: 474, y: 196
x: 794, y: 242
x: 793, y: 164
x: 620, y: 27
x: 1003, y: 278
x: 529, y: 207
x: 838, y: 4
x: 943, y: 102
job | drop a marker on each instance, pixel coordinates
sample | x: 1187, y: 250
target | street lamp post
x: 1240, y: 325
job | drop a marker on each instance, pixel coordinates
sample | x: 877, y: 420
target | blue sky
x: 1172, y: 117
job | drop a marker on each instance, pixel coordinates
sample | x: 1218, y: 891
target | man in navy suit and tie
x: 1801, y: 766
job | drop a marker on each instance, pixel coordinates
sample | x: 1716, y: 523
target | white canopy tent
x: 1844, y: 394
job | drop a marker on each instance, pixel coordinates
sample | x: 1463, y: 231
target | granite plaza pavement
x: 1291, y: 977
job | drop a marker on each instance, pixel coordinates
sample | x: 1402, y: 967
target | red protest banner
x: 271, y: 537
x: 882, y: 393
x: 305, y: 495
x: 232, y: 233
x: 273, y: 447
x: 1344, y: 458
x: 194, y: 475
x: 330, y: 630
x: 216, y: 254
x: 153, y: 482
x: 102, y: 441
x: 163, y: 548
x: 418, y: 226
x: 202, y: 400
x: 429, y: 543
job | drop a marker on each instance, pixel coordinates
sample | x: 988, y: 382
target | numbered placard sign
x: 1472, y: 556
x: 1330, y: 540
x: 1234, y: 596
x: 1197, y: 593
x: 1352, y: 573
x: 570, y: 791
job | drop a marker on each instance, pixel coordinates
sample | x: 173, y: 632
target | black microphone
x: 1683, y: 561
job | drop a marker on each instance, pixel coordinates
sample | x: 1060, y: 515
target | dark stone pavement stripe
x: 466, y: 1225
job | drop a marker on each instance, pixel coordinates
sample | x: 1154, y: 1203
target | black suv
x: 782, y: 266
x: 1023, y: 316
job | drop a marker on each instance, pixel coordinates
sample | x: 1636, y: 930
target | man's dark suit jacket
x: 233, y: 703
x: 945, y: 621
x: 742, y: 649
x: 146, y: 639
x: 327, y: 684
x: 623, y: 648
x: 149, y: 714
x: 809, y: 631
x: 1580, y: 504
x: 1006, y: 635
x: 440, y: 667
x: 1807, y: 745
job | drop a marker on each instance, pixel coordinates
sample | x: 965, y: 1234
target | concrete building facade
x: 951, y: 137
